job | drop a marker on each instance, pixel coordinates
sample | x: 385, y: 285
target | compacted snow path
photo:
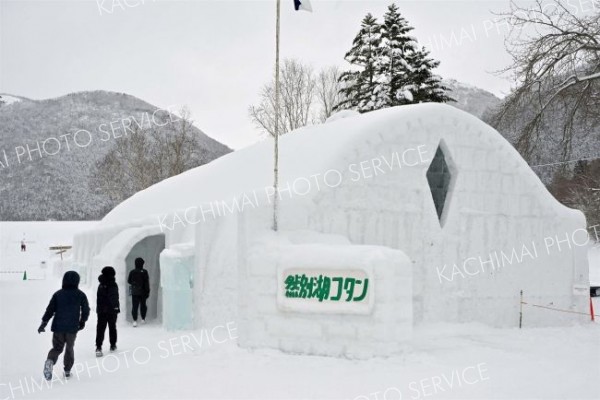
x: 444, y: 361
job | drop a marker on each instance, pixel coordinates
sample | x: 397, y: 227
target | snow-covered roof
x: 306, y: 151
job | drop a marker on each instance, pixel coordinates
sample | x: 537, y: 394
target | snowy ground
x: 459, y: 362
x: 38, y: 236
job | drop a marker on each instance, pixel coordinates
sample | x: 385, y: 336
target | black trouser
x: 103, y: 320
x: 58, y: 344
x: 138, y: 301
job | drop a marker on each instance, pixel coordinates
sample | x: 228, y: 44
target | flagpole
x: 276, y: 141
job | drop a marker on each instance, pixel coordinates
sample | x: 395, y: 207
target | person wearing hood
x: 107, y: 308
x: 140, y: 290
x: 70, y: 309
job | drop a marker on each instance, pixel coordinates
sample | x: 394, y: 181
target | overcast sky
x: 214, y: 56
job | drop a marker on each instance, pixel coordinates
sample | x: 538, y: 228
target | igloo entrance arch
x: 121, y: 251
x: 149, y: 249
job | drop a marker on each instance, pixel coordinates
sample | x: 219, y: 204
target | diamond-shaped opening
x: 439, y: 177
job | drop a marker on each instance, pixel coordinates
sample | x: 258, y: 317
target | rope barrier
x: 557, y: 309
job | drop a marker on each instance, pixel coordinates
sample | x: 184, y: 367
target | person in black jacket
x: 140, y: 290
x: 107, y: 308
x: 70, y: 309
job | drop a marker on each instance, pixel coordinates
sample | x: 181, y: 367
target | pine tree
x: 424, y: 85
x: 360, y: 87
x: 392, y: 69
x: 397, y: 49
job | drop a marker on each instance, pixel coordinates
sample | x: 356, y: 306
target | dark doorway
x: 149, y: 249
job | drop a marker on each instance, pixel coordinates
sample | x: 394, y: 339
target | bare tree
x: 296, y: 99
x: 556, y: 61
x: 178, y: 149
x: 580, y: 189
x: 148, y: 155
x: 125, y: 169
x: 328, y: 91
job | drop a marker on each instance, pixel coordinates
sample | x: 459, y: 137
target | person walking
x: 107, y: 308
x: 139, y: 282
x: 70, y: 308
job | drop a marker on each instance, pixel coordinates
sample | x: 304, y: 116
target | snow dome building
x: 396, y: 218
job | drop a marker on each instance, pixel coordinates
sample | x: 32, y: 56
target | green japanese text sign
x: 323, y: 290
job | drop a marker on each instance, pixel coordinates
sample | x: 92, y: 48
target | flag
x: 302, y: 5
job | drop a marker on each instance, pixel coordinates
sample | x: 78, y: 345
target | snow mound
x: 304, y: 153
x: 341, y: 115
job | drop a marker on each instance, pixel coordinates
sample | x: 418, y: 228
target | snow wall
x: 500, y: 226
x: 500, y: 230
x: 366, y: 312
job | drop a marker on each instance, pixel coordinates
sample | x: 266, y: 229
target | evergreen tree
x: 397, y: 49
x: 424, y: 85
x: 360, y: 87
x: 392, y: 69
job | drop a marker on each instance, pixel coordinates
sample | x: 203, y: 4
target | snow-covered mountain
x: 53, y: 182
x: 470, y: 98
x: 6, y: 99
x: 44, y: 173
